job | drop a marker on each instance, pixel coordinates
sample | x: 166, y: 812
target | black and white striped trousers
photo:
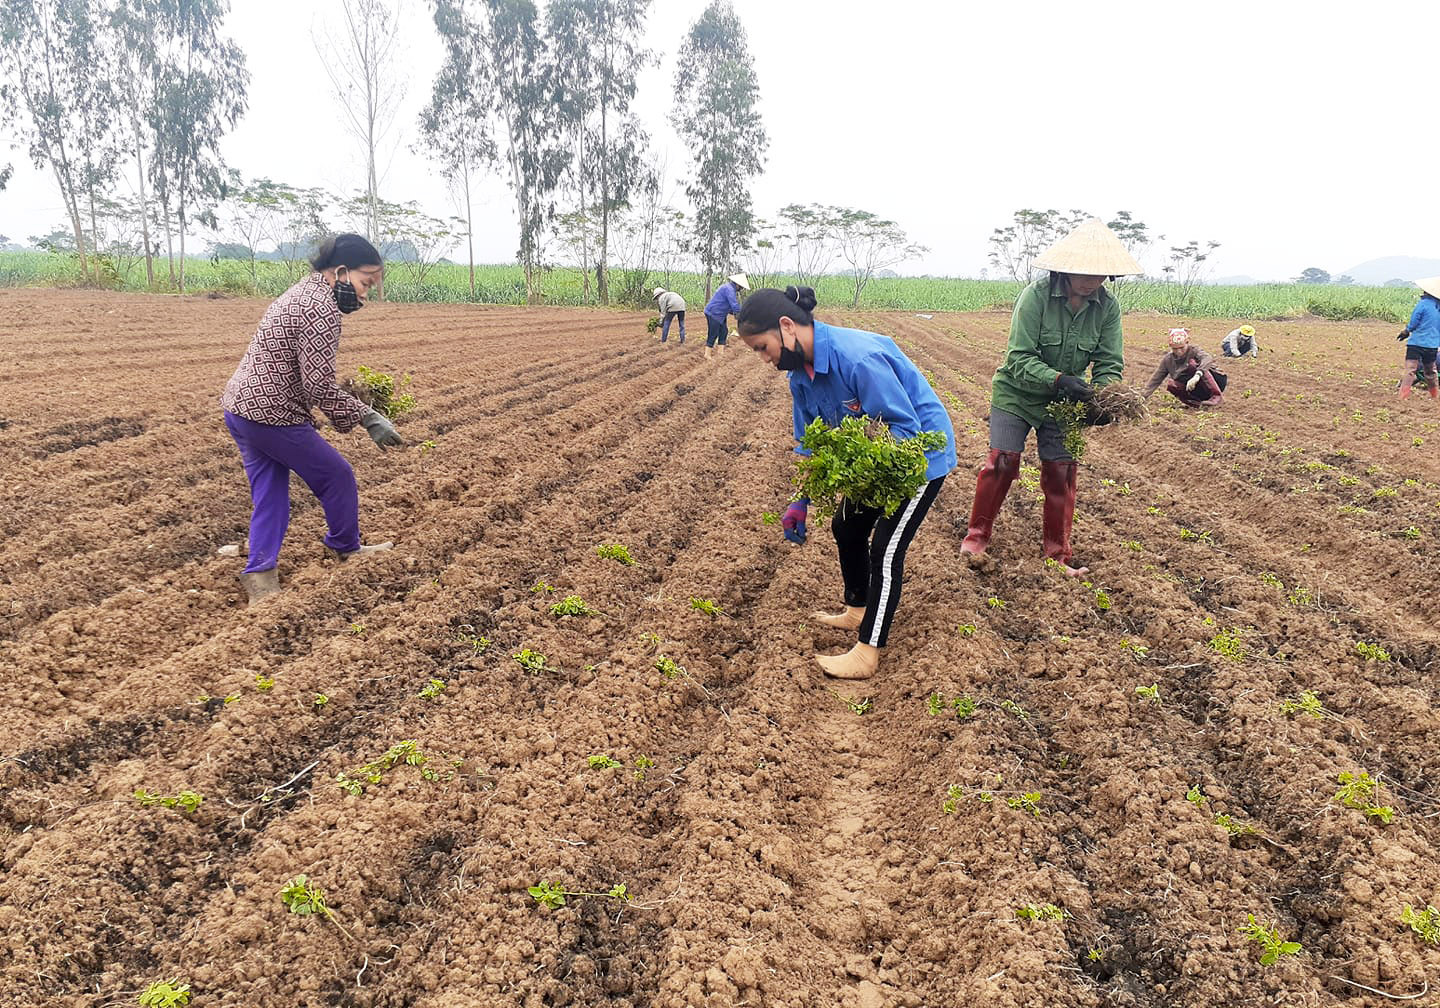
x: 874, y: 566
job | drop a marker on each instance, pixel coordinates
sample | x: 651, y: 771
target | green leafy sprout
x: 857, y: 707
x: 433, y: 689
x: 171, y: 993
x: 706, y: 606
x: 186, y: 801
x: 531, y: 660
x: 1362, y: 792
x: 572, y: 605
x: 1307, y: 703
x: 1041, y: 911
x: 1150, y: 693
x: 406, y: 752
x: 603, y: 762
x: 1425, y: 923
x: 614, y: 551
x: 1371, y: 652
x: 1268, y: 938
x: 552, y: 895
x: 304, y: 900
x: 1229, y: 644
x: 963, y: 706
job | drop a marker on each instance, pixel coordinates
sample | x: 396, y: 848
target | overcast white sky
x: 1296, y: 134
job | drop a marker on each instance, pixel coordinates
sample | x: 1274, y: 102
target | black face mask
x: 346, y: 296
x: 790, y: 360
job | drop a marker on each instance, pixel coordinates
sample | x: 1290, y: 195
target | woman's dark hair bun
x: 802, y: 296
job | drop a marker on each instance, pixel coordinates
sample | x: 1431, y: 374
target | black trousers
x: 873, y: 566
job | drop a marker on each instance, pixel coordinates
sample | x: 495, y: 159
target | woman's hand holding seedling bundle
x: 381, y: 431
x: 794, y: 520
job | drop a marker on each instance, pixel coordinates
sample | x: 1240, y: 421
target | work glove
x: 381, y: 431
x: 1194, y: 380
x: 1074, y: 389
x: 1404, y: 335
x: 794, y: 521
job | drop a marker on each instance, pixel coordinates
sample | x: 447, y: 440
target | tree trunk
x: 144, y: 203
x: 469, y: 225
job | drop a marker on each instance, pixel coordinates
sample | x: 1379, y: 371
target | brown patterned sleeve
x: 319, y: 342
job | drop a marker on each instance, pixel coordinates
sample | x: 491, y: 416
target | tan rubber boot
x: 850, y: 619
x: 860, y: 662
x: 260, y: 584
x: 363, y: 551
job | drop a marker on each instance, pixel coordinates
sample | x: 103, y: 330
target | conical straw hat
x: 739, y: 280
x: 1092, y: 249
x: 1430, y: 285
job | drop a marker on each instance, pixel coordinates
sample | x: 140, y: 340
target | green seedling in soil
x: 1362, y: 792
x: 642, y: 764
x: 653, y: 639
x: 1234, y: 826
x: 1300, y: 597
x: 967, y: 629
x: 1385, y: 492
x: 1195, y: 796
x: 614, y: 551
x: 1041, y: 912
x: 185, y: 801
x: 407, y: 752
x: 857, y: 707
x: 1150, y: 693
x: 572, y: 605
x: 963, y: 706
x: 1200, y: 537
x: 1027, y: 802
x: 1425, y: 923
x: 264, y: 683
x: 1306, y: 703
x: 320, y: 700
x: 172, y: 993
x: 668, y: 667
x: 1410, y: 532
x: 1135, y: 545
x: 426, y: 446
x: 304, y: 900
x: 603, y: 762
x: 532, y: 661
x: 769, y: 518
x: 860, y: 461
x: 1011, y: 707
x: 1102, y: 600
x: 954, y: 794
x: 1268, y: 938
x: 543, y: 588
x: 1266, y: 578
x: 1136, y: 648
x: 706, y: 606
x: 999, y: 603
x: 1371, y: 652
x: 552, y: 895
x: 357, y: 629
x: 432, y: 689
x: 1228, y: 644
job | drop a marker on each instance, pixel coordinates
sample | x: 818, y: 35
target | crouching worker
x: 672, y: 308
x: 288, y: 370
x: 837, y: 373
x: 1240, y: 342
x: 1065, y: 325
x: 1191, y: 373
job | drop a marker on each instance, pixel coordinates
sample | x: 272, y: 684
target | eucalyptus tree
x: 716, y: 93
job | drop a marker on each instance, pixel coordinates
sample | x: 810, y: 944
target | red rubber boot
x: 991, y: 486
x: 1057, y: 481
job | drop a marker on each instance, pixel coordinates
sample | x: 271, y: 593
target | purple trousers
x: 270, y: 454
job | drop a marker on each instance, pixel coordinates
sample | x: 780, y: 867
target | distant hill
x: 1377, y: 271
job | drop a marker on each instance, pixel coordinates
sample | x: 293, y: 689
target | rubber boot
x: 1057, y: 482
x: 1434, y: 392
x: 991, y: 486
x: 260, y: 584
x: 363, y: 551
x: 709, y: 351
x: 1407, y: 378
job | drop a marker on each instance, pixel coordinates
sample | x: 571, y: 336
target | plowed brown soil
x: 783, y: 850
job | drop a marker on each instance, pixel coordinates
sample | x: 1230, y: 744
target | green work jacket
x: 1046, y: 341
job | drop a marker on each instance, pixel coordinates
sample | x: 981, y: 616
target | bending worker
x: 837, y: 373
x: 288, y: 370
x: 722, y: 304
x: 1065, y: 325
x: 672, y: 306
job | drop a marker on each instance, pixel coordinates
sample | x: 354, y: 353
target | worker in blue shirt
x: 722, y: 304
x: 835, y: 373
x: 1422, y: 338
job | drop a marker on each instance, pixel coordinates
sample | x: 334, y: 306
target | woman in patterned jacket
x: 289, y: 370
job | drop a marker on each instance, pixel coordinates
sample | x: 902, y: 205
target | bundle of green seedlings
x: 1120, y: 401
x: 381, y: 392
x: 862, y: 462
